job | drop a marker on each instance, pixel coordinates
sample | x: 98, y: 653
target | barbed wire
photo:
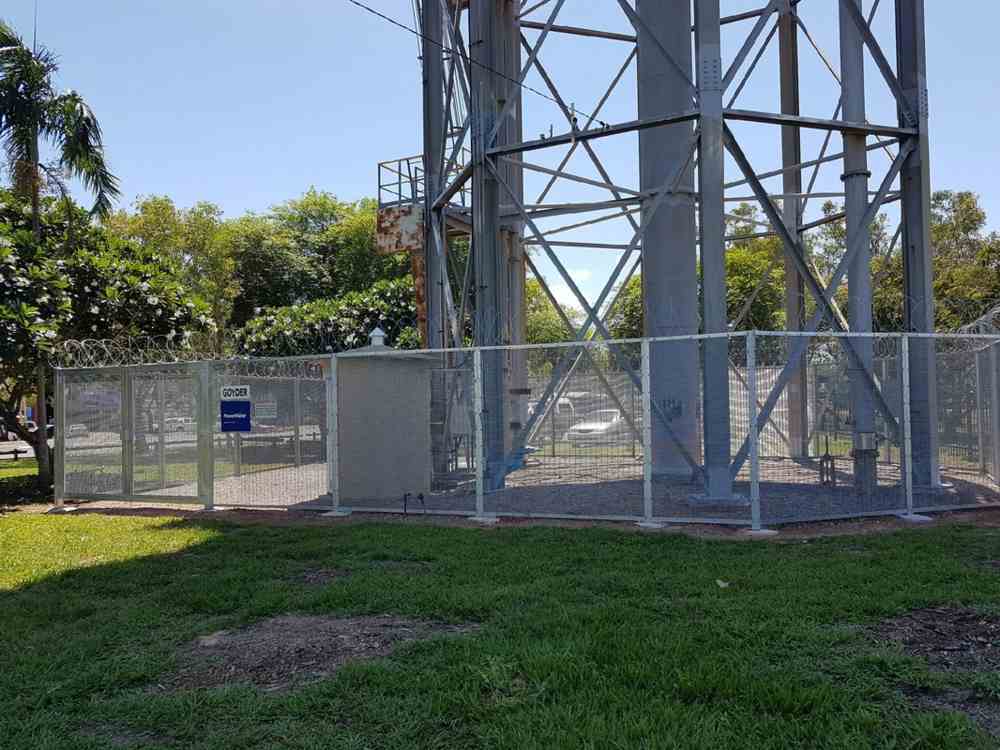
x: 124, y: 352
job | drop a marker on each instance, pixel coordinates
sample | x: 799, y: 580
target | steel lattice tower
x: 689, y: 62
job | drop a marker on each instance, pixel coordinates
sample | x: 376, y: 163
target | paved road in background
x: 15, y: 445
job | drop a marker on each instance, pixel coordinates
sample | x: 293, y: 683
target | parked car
x: 77, y: 430
x: 563, y: 408
x: 179, y: 424
x: 50, y: 428
x: 603, y: 427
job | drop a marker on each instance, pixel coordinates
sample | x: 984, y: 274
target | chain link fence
x: 788, y: 428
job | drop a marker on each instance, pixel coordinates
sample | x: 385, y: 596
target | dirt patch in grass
x: 984, y: 713
x: 289, y: 651
x: 950, y: 639
x: 320, y: 576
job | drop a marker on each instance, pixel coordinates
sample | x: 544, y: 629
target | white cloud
x: 564, y: 295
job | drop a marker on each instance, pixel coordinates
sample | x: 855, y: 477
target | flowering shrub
x: 334, y: 325
x: 77, y: 283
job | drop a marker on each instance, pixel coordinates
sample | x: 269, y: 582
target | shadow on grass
x: 588, y: 637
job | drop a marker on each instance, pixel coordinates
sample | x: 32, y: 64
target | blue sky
x: 249, y: 103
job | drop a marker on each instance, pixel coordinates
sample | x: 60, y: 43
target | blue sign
x: 235, y: 416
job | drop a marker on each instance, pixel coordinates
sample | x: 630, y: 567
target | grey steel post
x: 161, y: 432
x: 479, y: 439
x: 127, y: 433
x: 915, y: 189
x: 907, y: 427
x: 791, y: 156
x: 59, y: 478
x: 432, y: 55
x: 435, y: 232
x: 669, y: 254
x: 995, y: 409
x: 297, y: 419
x: 207, y: 398
x: 489, y: 29
x: 711, y: 179
x: 980, y: 411
x: 855, y: 178
x: 647, y: 436
x: 332, y: 437
x: 754, y: 432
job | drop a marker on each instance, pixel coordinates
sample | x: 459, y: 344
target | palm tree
x: 32, y: 112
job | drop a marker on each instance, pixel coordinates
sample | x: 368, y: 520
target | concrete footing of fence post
x: 760, y: 533
x: 647, y: 524
x: 914, y: 518
x: 336, y: 513
x: 485, y: 519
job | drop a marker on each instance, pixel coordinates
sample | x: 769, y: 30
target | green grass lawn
x: 23, y: 467
x: 588, y: 638
x: 18, y: 482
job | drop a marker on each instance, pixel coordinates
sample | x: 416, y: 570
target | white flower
x: 152, y: 299
x: 94, y: 309
x: 93, y: 328
x: 144, y: 286
x: 49, y: 334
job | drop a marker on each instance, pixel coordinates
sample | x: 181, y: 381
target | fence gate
x: 154, y: 433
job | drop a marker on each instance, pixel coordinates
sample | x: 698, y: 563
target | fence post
x: 755, y: 519
x: 907, y: 435
x: 479, y: 436
x: 647, y: 443
x: 206, y: 436
x: 161, y: 432
x: 332, y: 441
x: 127, y: 433
x: 297, y: 418
x: 994, y: 386
x: 59, y: 479
x: 980, y: 427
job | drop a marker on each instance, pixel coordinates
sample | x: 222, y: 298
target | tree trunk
x: 41, y: 434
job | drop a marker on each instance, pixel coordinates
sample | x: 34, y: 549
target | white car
x: 563, y: 408
x: 603, y: 427
x: 77, y: 430
x: 179, y: 424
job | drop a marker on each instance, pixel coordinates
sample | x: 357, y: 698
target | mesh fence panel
x: 281, y: 462
x: 164, y: 432
x: 576, y: 448
x: 680, y: 462
x: 93, y: 459
x: 838, y: 425
x: 964, y: 379
x: 564, y: 431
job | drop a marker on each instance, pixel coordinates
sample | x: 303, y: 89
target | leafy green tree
x: 334, y: 325
x: 340, y: 238
x: 32, y: 112
x: 271, y: 269
x: 543, y: 323
x: 195, y: 240
x: 93, y: 286
x: 966, y: 263
x: 625, y: 321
